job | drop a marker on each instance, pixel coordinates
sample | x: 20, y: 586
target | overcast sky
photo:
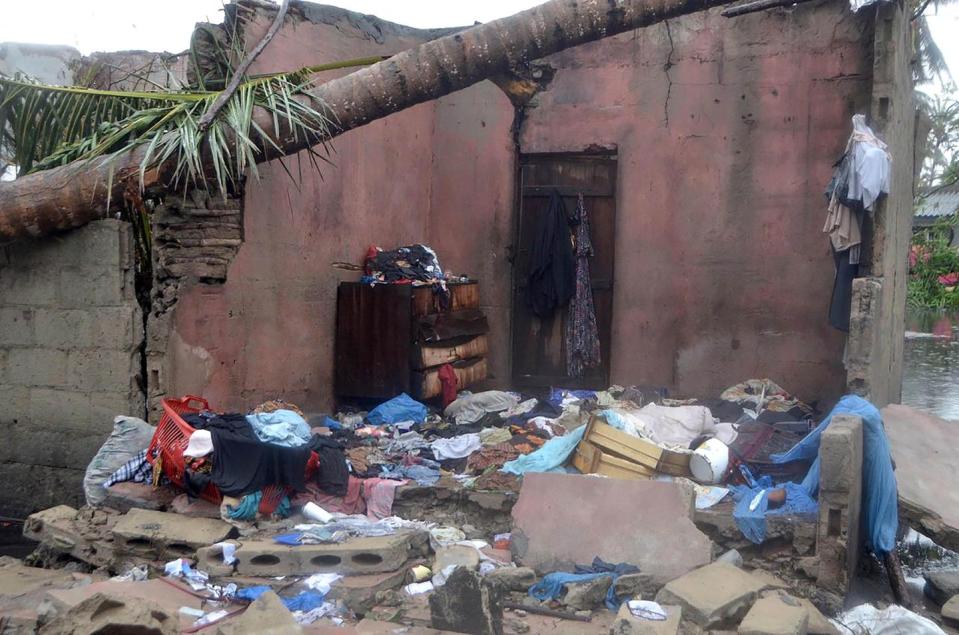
x: 158, y: 25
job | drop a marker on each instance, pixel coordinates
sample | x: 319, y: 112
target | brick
x: 63, y: 329
x: 37, y: 367
x: 80, y: 288
x: 356, y: 556
x: 102, y: 370
x: 16, y: 327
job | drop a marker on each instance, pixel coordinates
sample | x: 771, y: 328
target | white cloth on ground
x: 672, y: 427
x: 199, y: 445
x: 471, y: 408
x: 456, y: 447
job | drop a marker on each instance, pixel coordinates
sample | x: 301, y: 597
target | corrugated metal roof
x: 941, y: 203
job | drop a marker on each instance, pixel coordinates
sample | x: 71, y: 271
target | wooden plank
x: 589, y: 459
x: 427, y: 384
x: 586, y: 458
x: 618, y: 443
x: 428, y: 356
x: 463, y: 295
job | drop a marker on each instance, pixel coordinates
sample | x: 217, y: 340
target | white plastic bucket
x: 709, y: 461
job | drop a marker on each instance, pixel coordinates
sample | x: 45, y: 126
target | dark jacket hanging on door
x: 551, y: 279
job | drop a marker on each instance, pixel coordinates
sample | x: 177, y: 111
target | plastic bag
x: 397, y: 409
x: 130, y: 436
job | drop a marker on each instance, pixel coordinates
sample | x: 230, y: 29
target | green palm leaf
x: 45, y: 126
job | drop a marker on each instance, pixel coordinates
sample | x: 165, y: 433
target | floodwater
x: 930, y: 378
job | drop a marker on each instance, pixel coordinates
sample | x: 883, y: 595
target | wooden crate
x: 427, y: 384
x: 429, y: 356
x: 589, y: 459
x: 624, y: 446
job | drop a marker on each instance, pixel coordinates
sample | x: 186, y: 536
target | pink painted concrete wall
x: 722, y: 271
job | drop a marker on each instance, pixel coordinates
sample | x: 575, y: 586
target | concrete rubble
x: 775, y: 615
x: 715, y: 596
x: 104, y: 613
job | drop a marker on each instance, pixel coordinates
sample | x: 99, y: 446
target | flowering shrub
x: 934, y: 267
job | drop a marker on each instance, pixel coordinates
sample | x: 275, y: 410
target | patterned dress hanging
x: 582, y: 334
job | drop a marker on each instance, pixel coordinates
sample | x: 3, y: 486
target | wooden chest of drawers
x: 394, y: 338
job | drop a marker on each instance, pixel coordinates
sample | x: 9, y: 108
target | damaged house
x: 699, y: 147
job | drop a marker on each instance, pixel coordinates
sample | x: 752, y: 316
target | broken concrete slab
x: 950, y: 610
x: 84, y: 534
x: 660, y: 522
x: 768, y: 580
x: 197, y: 508
x: 374, y: 627
x: 775, y: 615
x: 105, y: 613
x: 586, y: 596
x: 926, y: 471
x: 17, y: 579
x: 942, y: 585
x: 168, y: 597
x: 512, y: 578
x: 379, y: 554
x: 166, y: 536
x: 636, y: 586
x: 359, y: 592
x: 465, y: 605
x: 265, y: 616
x: 818, y: 624
x: 713, y: 596
x: 627, y: 624
x: 458, y: 555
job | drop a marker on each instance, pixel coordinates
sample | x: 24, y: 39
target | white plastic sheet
x: 892, y: 620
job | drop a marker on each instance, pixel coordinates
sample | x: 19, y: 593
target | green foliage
x: 934, y: 267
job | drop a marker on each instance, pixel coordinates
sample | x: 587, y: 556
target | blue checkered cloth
x: 136, y: 469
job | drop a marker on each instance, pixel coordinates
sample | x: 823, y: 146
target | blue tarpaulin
x: 397, y: 410
x: 880, y: 509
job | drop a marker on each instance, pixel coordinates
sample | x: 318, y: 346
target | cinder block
x: 28, y: 287
x: 155, y: 534
x: 104, y: 406
x: 117, y: 328
x: 63, y: 329
x: 15, y: 400
x: 16, y: 327
x: 81, y: 288
x: 47, y: 445
x: 28, y: 488
x: 36, y: 367
x: 210, y: 559
x: 102, y: 370
x: 356, y: 556
x: 840, y: 501
x: 84, y: 535
x: 54, y: 407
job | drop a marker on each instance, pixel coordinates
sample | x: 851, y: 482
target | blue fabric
x: 880, y: 507
x: 753, y: 522
x: 549, y: 457
x: 556, y: 395
x: 332, y: 424
x: 423, y: 475
x: 289, y: 539
x: 249, y: 504
x: 397, y: 409
x: 551, y: 586
x: 305, y: 601
x: 280, y: 427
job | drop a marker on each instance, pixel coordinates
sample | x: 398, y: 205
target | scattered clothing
x: 249, y: 505
x: 379, y: 494
x: 280, y: 427
x: 136, y: 469
x: 470, y: 408
x: 582, y: 334
x: 397, y: 410
x: 130, y: 435
x: 351, y: 503
x: 412, y: 263
x: 765, y: 394
x: 840, y: 303
x: 752, y: 506
x: 487, y: 457
x: 333, y: 474
x: 277, y: 404
x: 494, y: 436
x: 456, y: 447
x: 549, y: 283
x: 549, y: 457
x: 425, y: 474
x: 674, y: 427
x: 552, y: 585
x: 406, y: 443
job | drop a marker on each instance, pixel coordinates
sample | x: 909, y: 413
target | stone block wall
x: 71, y: 336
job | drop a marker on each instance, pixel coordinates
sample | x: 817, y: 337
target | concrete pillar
x: 840, y: 500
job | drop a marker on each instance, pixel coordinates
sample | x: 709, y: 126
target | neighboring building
x: 936, y: 206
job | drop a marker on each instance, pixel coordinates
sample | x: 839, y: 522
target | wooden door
x: 538, y: 347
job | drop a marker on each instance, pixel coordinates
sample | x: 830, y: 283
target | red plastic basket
x: 172, y: 436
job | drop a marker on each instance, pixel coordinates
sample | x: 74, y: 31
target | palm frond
x: 45, y: 126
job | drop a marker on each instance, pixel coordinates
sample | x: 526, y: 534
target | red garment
x: 352, y: 503
x: 448, y: 378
